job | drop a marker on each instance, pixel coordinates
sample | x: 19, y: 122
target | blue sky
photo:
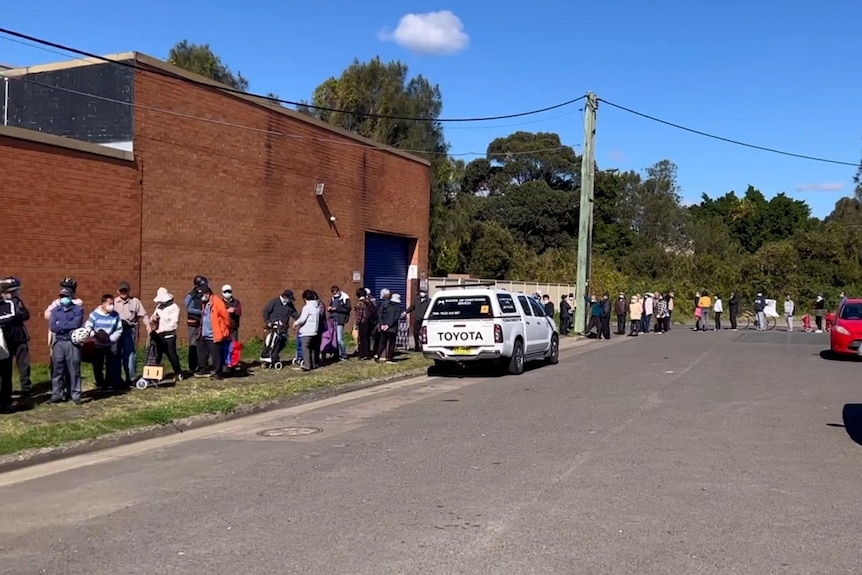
x: 775, y: 73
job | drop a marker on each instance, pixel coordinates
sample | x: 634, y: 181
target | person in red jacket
x: 215, y: 334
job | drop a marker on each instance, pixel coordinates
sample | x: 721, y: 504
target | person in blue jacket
x: 66, y: 356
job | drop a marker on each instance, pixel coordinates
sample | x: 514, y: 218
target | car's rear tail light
x: 498, y: 333
x: 423, y: 335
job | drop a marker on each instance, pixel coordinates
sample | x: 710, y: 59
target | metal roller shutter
x: 386, y: 263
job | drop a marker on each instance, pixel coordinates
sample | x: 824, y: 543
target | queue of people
x: 107, y: 335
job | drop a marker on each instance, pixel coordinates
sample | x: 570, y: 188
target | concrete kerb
x: 32, y: 457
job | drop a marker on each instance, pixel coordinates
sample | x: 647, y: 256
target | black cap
x: 124, y: 286
x: 287, y: 294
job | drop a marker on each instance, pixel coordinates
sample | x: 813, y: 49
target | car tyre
x: 554, y: 353
x: 516, y: 362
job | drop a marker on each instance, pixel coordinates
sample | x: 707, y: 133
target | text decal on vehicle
x: 460, y: 336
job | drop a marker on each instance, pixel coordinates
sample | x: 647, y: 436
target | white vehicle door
x: 531, y: 328
x: 543, y: 327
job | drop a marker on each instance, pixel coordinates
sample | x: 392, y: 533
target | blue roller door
x: 386, y: 263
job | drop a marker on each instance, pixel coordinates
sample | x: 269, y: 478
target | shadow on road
x: 852, y: 416
x: 829, y: 355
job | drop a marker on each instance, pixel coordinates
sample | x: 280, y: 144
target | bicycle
x: 748, y: 320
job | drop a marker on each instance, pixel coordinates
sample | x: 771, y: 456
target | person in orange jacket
x: 215, y: 334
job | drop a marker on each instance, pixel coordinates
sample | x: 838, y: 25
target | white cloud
x: 429, y: 33
x: 828, y: 187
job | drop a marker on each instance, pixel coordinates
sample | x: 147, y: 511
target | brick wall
x: 66, y: 213
x: 233, y: 199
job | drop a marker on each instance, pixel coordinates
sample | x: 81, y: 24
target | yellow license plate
x: 463, y: 351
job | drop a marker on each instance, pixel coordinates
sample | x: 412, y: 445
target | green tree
x: 651, y: 207
x: 537, y: 214
x: 493, y: 251
x: 200, y: 59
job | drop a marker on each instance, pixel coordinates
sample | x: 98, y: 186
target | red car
x: 846, y: 335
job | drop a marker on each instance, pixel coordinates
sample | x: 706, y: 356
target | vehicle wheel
x: 554, y: 353
x: 516, y: 362
x: 141, y: 383
x: 277, y: 366
x: 770, y: 323
x: 745, y: 321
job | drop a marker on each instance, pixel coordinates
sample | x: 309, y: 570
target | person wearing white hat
x: 234, y: 310
x: 164, y: 324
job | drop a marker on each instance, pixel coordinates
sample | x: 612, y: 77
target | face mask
x: 423, y: 295
x: 205, y: 299
x: 65, y: 301
x: 109, y: 308
x: 227, y: 294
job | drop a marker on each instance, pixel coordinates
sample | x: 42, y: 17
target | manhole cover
x: 289, y: 431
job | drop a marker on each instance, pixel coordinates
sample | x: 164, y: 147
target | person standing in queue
x: 277, y: 314
x: 215, y: 333
x: 565, y: 315
x: 234, y: 310
x: 733, y: 306
x: 194, y: 311
x: 132, y: 313
x: 64, y: 319
x: 308, y: 326
x: 417, y: 313
x: 622, y: 308
x: 15, y: 331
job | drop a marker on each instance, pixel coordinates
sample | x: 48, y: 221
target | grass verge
x: 51, y: 425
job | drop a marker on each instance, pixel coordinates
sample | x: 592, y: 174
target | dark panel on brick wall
x: 88, y: 103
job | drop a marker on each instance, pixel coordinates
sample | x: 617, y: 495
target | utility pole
x: 585, y: 224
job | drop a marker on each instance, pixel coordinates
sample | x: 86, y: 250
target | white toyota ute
x: 474, y: 323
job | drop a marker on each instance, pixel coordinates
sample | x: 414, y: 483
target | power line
x: 729, y: 140
x: 341, y: 141
x: 171, y: 75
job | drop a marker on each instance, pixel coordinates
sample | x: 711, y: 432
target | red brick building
x: 116, y: 173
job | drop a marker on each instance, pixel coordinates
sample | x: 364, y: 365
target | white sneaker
x: 819, y: 331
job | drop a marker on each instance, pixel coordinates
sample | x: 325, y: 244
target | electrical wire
x: 729, y: 140
x: 338, y: 141
x: 222, y: 88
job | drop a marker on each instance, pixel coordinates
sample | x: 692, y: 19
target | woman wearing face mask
x: 106, y: 328
x: 164, y: 323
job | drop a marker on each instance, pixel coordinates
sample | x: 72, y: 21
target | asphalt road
x: 681, y: 454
